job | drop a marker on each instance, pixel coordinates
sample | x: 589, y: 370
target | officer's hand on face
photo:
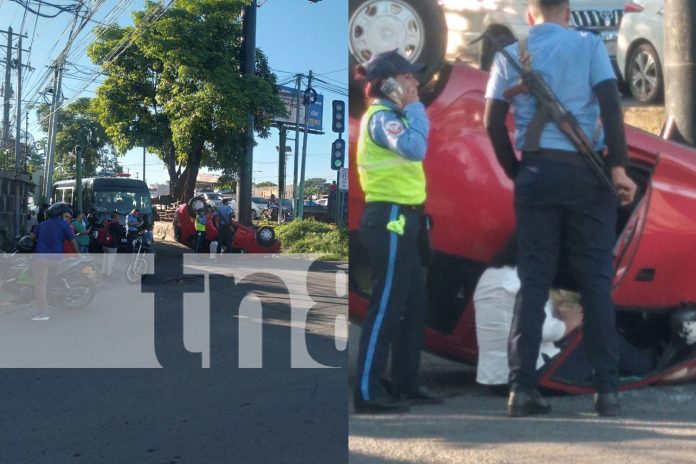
x: 409, y: 86
x: 624, y: 184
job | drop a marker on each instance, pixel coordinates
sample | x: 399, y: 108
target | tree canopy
x: 178, y: 89
x: 316, y: 186
x: 78, y: 124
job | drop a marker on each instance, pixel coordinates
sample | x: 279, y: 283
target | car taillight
x: 632, y: 7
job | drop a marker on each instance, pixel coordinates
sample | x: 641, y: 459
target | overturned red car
x: 246, y: 239
x: 470, y: 200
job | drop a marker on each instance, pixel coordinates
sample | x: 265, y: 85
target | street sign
x: 316, y: 109
x: 343, y: 179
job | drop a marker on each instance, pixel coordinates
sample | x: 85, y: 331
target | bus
x: 103, y: 195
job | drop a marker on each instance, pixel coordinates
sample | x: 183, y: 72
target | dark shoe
x: 607, y: 404
x: 386, y: 405
x: 522, y: 404
x: 422, y: 396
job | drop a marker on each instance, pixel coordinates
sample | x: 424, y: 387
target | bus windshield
x: 122, y: 201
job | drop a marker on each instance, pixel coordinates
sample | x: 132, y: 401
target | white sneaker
x: 39, y: 318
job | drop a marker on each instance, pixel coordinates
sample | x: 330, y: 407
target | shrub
x: 310, y: 236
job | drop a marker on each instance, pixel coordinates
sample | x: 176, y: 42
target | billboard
x: 316, y: 109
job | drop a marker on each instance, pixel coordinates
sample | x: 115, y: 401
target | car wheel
x: 265, y: 236
x: 644, y: 74
x: 495, y: 35
x: 416, y: 27
x: 194, y: 204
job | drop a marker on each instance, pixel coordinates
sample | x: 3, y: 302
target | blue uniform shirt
x: 571, y: 63
x: 51, y: 234
x: 132, y: 218
x: 389, y: 131
x: 224, y: 212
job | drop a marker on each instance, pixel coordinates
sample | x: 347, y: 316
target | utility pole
x: 282, y: 132
x: 78, y: 177
x: 144, y: 152
x: 307, y: 102
x: 295, y: 204
x: 57, y: 101
x: 18, y: 141
x: 245, y: 178
x: 680, y: 65
x: 7, y: 93
x: 50, y: 153
x: 18, y: 114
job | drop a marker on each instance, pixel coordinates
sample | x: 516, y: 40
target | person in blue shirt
x: 133, y: 223
x: 50, y: 236
x: 225, y: 234
x: 391, y: 148
x: 557, y: 193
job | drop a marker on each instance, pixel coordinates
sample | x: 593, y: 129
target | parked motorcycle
x: 70, y: 285
x: 138, y: 265
x: 271, y: 213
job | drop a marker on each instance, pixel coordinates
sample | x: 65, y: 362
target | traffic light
x: 338, y: 121
x: 338, y: 154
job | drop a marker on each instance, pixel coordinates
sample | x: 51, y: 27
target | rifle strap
x: 540, y: 117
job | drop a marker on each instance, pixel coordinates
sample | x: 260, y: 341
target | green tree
x: 36, y: 156
x: 316, y: 186
x: 179, y: 90
x: 78, y: 124
x: 266, y: 184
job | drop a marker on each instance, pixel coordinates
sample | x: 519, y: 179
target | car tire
x: 425, y: 21
x: 644, y: 75
x: 194, y: 204
x: 494, y: 35
x: 265, y: 236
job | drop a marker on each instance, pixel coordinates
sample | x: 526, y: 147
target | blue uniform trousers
x: 397, y: 305
x: 552, y: 196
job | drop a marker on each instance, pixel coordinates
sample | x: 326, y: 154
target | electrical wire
x: 114, y: 53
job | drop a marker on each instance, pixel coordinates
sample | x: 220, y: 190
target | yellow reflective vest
x: 384, y: 174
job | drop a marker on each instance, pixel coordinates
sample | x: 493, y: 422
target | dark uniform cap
x: 388, y: 64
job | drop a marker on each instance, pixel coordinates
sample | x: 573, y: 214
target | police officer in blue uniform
x: 391, y: 149
x: 556, y: 192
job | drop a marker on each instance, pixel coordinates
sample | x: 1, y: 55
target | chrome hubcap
x: 384, y: 25
x: 644, y: 75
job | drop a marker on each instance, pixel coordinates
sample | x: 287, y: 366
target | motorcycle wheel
x: 82, y: 292
x: 136, y: 270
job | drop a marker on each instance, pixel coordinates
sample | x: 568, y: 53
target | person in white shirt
x: 494, y: 302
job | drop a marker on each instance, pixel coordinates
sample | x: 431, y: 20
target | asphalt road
x: 183, y: 414
x: 658, y: 426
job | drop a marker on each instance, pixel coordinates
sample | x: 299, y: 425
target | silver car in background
x: 640, y: 50
x: 506, y: 20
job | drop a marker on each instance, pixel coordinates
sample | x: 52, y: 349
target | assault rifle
x: 549, y: 104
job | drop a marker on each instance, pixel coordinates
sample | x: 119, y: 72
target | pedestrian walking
x: 391, y: 149
x: 50, y: 236
x: 556, y: 191
x: 114, y: 230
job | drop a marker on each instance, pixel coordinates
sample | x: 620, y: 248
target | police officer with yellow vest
x: 391, y: 148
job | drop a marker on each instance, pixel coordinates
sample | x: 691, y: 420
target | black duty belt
x: 384, y: 204
x: 567, y: 156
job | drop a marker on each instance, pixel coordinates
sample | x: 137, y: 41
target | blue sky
x: 296, y: 35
